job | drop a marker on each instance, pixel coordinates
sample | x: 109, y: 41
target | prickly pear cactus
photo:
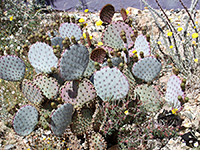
x: 69, y: 30
x: 97, y: 141
x: 25, y: 120
x: 123, y: 14
x: 98, y: 55
x: 48, y: 86
x: 147, y: 68
x: 32, y: 92
x: 78, y: 93
x: 81, y: 121
x: 57, y: 41
x: 74, y: 62
x: 110, y: 83
x: 173, y: 91
x: 61, y: 118
x: 12, y: 68
x: 106, y: 13
x: 90, y: 69
x: 42, y: 58
x: 149, y: 96
x: 115, y: 61
x: 111, y: 36
x: 141, y: 45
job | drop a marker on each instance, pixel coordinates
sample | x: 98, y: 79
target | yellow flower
x: 134, y: 51
x: 194, y: 27
x: 28, y: 149
x: 180, y: 29
x: 174, y: 111
x: 11, y: 18
x: 145, y: 7
x: 194, y: 43
x: 67, y: 148
x: 100, y: 43
x: 169, y: 34
x: 126, y: 112
x: 49, y: 139
x: 81, y: 20
x: 195, y: 35
x: 196, y: 22
x: 196, y: 60
x: 99, y: 23
x: 171, y: 46
x: 48, y: 142
x: 86, y: 24
x: 127, y: 12
x: 188, y: 34
x: 90, y: 37
x: 44, y: 138
x: 26, y: 69
x: 179, y: 17
x: 86, y: 10
x: 178, y: 24
x: 159, y: 42
x: 84, y: 35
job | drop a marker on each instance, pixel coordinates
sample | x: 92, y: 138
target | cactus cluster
x: 93, y: 91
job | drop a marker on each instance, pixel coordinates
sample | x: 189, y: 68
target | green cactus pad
x: 25, y: 120
x: 42, y: 58
x: 111, y: 36
x: 106, y: 13
x: 12, y: 68
x: 149, y: 96
x: 74, y: 62
x: 81, y: 121
x: 98, y: 55
x: 78, y: 93
x: 61, y: 118
x: 48, y: 86
x: 147, y: 68
x: 141, y: 45
x: 173, y: 91
x: 32, y: 92
x: 69, y: 30
x: 97, y: 141
x: 90, y: 69
x: 110, y: 83
x: 57, y: 41
x: 115, y: 61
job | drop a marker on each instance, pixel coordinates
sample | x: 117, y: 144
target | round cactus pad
x: 147, y: 68
x: 106, y: 13
x: 110, y: 83
x: 48, y: 86
x: 42, y: 58
x: 149, y: 96
x: 141, y: 45
x: 111, y: 36
x: 69, y: 30
x: 74, y: 62
x: 32, y: 92
x: 12, y: 68
x: 98, y: 55
x: 61, y: 118
x: 78, y: 93
x: 25, y: 120
x: 173, y: 91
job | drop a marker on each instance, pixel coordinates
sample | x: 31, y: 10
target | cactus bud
x: 142, y: 54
